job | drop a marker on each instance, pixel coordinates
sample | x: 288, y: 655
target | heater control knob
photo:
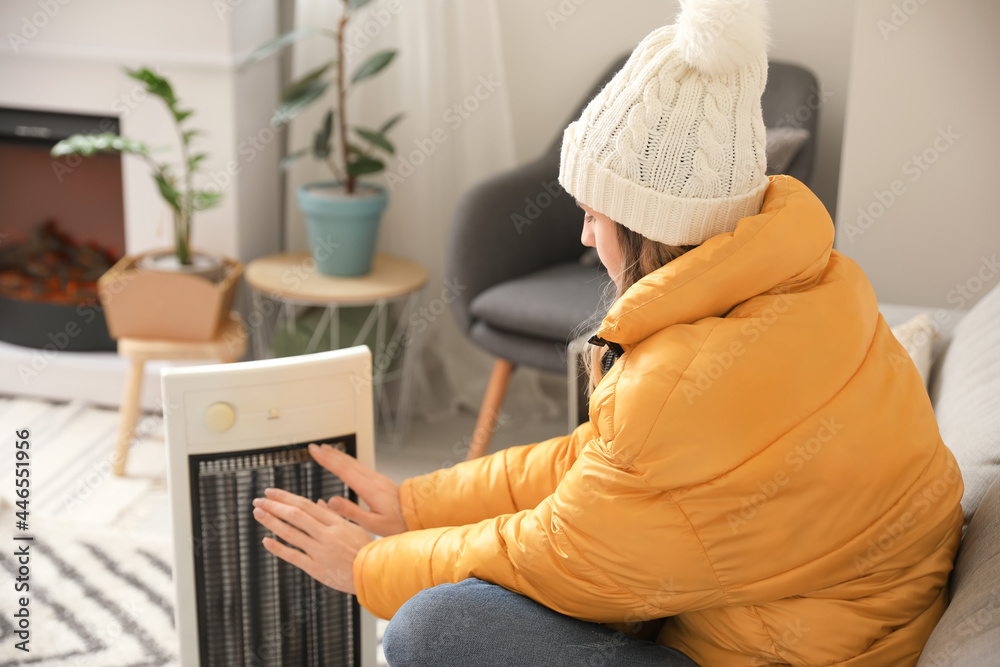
x: 220, y: 417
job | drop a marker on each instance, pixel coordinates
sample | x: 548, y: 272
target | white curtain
x: 450, y: 82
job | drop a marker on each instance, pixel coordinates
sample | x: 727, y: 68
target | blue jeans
x: 477, y: 624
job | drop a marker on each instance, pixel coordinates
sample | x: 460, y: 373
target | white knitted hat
x: 673, y: 146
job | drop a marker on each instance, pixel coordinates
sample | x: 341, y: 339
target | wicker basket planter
x: 142, y: 303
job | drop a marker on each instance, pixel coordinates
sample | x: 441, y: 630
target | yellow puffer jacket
x: 762, y: 466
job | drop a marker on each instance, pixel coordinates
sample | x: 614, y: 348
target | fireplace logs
x: 48, y: 287
x: 50, y: 267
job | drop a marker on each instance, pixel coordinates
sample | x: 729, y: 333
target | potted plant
x: 343, y: 215
x: 145, y: 295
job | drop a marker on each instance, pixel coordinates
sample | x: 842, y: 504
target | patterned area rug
x: 99, y: 598
x: 72, y: 448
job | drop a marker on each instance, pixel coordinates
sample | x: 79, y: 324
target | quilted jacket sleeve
x: 506, y: 482
x: 575, y: 552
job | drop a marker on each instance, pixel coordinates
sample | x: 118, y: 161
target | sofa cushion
x: 917, y: 336
x: 945, y: 319
x: 968, y: 634
x: 966, y: 396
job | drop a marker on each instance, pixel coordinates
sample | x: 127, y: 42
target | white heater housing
x: 231, y: 431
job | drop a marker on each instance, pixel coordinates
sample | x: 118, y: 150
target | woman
x: 759, y: 478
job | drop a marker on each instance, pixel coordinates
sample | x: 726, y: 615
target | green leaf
x: 321, y: 145
x: 124, y: 145
x: 89, y: 144
x: 195, y: 159
x: 155, y: 84
x: 293, y: 105
x: 328, y: 123
x: 373, y: 65
x: 358, y: 4
x: 322, y: 140
x: 179, y: 115
x: 391, y: 123
x: 364, y: 165
x: 289, y: 160
x: 298, y: 85
x: 191, y: 133
x: 376, y: 139
x: 279, y: 43
x: 354, y: 149
x: 203, y: 200
x: 168, y: 191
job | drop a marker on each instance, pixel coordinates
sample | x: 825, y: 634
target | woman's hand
x: 329, y: 543
x: 379, y: 492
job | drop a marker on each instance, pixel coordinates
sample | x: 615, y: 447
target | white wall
x: 817, y: 35
x: 556, y: 49
x: 917, y: 200
x: 69, y: 56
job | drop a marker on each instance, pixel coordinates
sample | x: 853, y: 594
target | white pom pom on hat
x: 721, y: 36
x: 673, y: 147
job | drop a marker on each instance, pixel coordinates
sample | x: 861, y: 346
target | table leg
x: 324, y: 320
x: 259, y: 344
x: 288, y: 312
x: 334, y: 322
x: 406, y: 371
x: 127, y: 415
x: 380, y: 366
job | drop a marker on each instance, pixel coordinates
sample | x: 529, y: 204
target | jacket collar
x: 786, y: 246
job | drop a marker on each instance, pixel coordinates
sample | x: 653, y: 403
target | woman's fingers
x: 296, y: 501
x: 295, y: 510
x: 381, y: 494
x: 331, y: 516
x: 354, y: 474
x: 328, y: 559
x: 288, y: 533
x: 285, y: 553
x: 378, y: 522
x: 349, y: 510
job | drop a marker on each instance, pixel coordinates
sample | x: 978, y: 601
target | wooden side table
x: 228, y: 346
x: 284, y: 285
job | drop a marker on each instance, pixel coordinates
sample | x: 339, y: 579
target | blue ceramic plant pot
x: 342, y: 228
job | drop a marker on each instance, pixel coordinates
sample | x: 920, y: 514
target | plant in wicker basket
x: 181, y: 295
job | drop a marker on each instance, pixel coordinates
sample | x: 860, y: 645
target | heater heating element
x: 232, y: 431
x: 252, y: 606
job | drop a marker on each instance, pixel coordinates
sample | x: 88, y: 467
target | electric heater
x: 233, y: 430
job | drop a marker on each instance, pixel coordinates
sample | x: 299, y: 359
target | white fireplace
x: 68, y: 56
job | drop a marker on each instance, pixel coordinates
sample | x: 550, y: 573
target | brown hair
x: 641, y: 256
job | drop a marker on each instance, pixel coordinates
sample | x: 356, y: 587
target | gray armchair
x: 515, y: 244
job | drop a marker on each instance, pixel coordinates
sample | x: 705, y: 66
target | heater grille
x: 254, y: 608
